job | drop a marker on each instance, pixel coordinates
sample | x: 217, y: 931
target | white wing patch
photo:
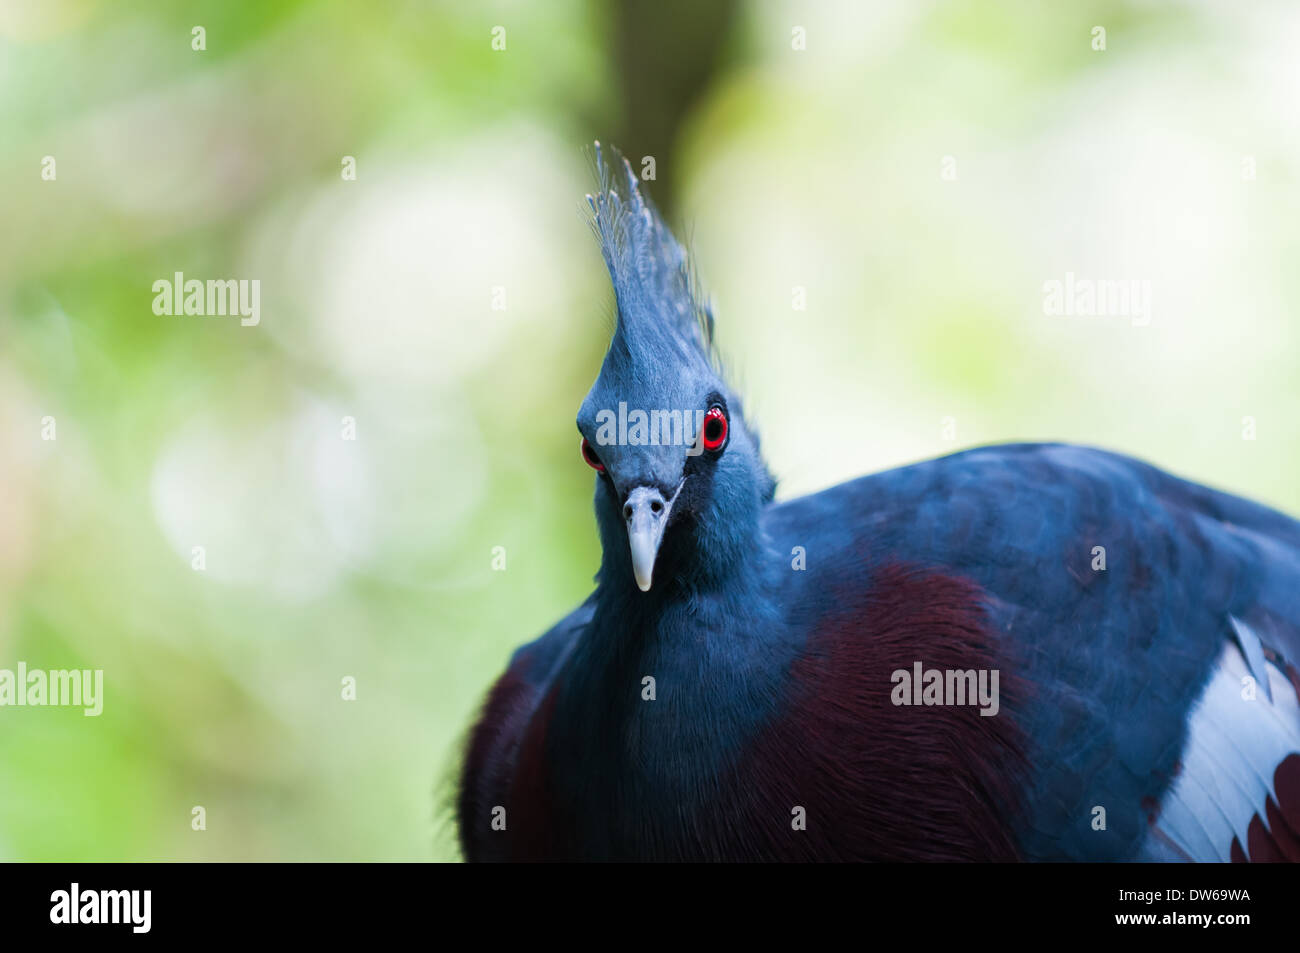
x: 1236, y: 739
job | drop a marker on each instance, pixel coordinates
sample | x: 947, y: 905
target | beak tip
x: 643, y: 571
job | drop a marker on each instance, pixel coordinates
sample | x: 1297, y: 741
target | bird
x: 1015, y: 652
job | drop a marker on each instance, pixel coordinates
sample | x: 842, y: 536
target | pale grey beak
x: 646, y: 512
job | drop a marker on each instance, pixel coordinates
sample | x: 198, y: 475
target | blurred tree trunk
x: 667, y: 53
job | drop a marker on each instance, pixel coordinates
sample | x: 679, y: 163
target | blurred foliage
x: 815, y: 168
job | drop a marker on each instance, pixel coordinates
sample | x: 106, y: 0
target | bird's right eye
x: 589, y: 455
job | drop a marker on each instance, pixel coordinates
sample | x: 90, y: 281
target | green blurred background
x: 1173, y: 156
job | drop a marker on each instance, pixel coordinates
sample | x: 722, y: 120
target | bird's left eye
x: 589, y: 455
x: 715, y: 429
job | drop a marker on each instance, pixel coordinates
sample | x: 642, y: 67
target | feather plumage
x: 755, y: 679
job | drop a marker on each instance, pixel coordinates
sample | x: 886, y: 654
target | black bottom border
x: 373, y: 901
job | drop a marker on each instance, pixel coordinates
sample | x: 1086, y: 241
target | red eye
x: 715, y: 429
x: 589, y: 455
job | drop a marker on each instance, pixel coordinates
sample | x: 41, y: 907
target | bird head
x: 680, y: 482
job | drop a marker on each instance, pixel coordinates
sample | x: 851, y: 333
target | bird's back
x: 1123, y: 599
